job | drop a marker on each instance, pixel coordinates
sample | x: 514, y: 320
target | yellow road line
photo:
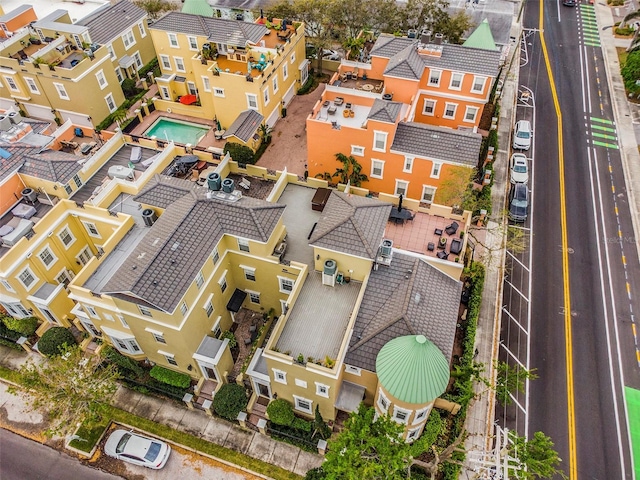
x: 571, y: 418
x: 624, y: 260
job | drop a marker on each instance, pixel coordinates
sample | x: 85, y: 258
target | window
x: 252, y: 101
x: 402, y: 187
x: 427, y: 194
x: 216, y: 330
x: 322, y: 390
x: 303, y: 404
x: 218, y: 92
x: 128, y: 39
x: 47, y: 257
x: 91, y: 228
x: 450, y: 110
x: 206, y: 85
x: 434, y: 78
x: 16, y: 309
x: 286, y: 284
x: 478, y: 84
x: 377, y: 168
x: 127, y: 345
x: 68, y: 189
x: 143, y: 32
x: 184, y: 308
x: 102, y: 81
x: 66, y: 237
x: 91, y: 311
x: 285, y: 71
x: 77, y: 181
x: 158, y: 336
x: 293, y: 57
x: 91, y: 328
x: 11, y: 84
x: 401, y: 415
x: 208, y: 306
x: 166, y: 63
x: 193, y: 43
x: 145, y: 311
x: 357, y: 150
x: 62, y: 93
x: 249, y: 273
x: 122, y: 320
x: 435, y: 170
x: 215, y: 256
x: 280, y: 376
x: 31, y: 83
x: 243, y: 245
x: 383, y: 402
x: 199, y: 280
x: 429, y: 107
x: 420, y: 415
x: 64, y: 277
x: 265, y: 96
x: 413, y: 434
x: 119, y: 75
x: 408, y: 164
x: 353, y: 370
x: 275, y: 83
x: 470, y: 114
x: 456, y: 81
x: 7, y: 286
x: 170, y: 358
x: 111, y: 104
x: 380, y: 141
x: 112, y: 53
x: 138, y: 59
x: 85, y: 255
x: 27, y: 278
x: 223, y: 282
x: 173, y: 40
x: 179, y: 64
x: 254, y: 297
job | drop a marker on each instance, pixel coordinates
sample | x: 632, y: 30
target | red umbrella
x: 188, y: 99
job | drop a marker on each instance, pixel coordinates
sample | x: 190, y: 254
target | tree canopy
x: 536, y: 457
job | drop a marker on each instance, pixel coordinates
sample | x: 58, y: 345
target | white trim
x: 300, y: 383
x: 446, y: 107
x: 88, y: 226
x: 353, y: 370
x: 414, y: 433
x: 357, y: 150
x: 277, y: 373
x: 484, y: 83
x: 434, y: 71
x: 407, y: 414
x: 424, y: 106
x: 382, y: 398
x: 436, y: 169
x: 54, y: 259
x: 172, y: 36
x: 424, y: 188
x: 319, y: 387
x: 34, y: 279
x: 373, y: 163
x: 466, y: 112
x: 421, y: 411
x: 376, y: 133
x: 297, y: 399
x: 408, y: 159
x: 406, y: 187
x: 71, y: 242
x: 453, y: 75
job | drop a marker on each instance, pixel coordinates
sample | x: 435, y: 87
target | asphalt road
x: 21, y: 459
x: 584, y: 358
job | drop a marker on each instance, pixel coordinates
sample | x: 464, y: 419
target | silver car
x: 137, y: 449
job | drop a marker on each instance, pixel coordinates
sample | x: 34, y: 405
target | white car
x: 519, y: 169
x: 522, y: 135
x: 137, y: 449
x: 328, y: 54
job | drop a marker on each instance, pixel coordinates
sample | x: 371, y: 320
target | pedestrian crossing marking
x: 604, y: 135
x: 601, y: 120
x: 603, y: 128
x: 591, y: 44
x: 607, y: 145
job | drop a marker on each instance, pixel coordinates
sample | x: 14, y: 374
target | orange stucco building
x: 16, y: 19
x: 408, y: 113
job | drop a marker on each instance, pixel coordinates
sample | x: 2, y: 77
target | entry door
x: 262, y: 389
x: 48, y: 315
x: 209, y: 372
x: 192, y: 88
x: 164, y: 91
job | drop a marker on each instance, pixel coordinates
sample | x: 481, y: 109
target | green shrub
x: 152, y: 66
x: 631, y: 72
x: 317, y: 473
x: 281, y: 412
x: 55, y: 340
x: 129, y: 87
x: 232, y: 338
x: 239, y: 153
x: 306, y: 88
x: 122, y: 361
x: 301, y: 424
x: 230, y: 400
x: 170, y: 377
x: 26, y: 326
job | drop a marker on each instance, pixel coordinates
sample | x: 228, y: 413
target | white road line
x: 584, y: 100
x: 586, y: 78
x: 516, y: 259
x: 513, y: 319
x: 511, y: 354
x: 516, y: 290
x: 593, y: 165
x: 526, y: 229
x: 513, y: 399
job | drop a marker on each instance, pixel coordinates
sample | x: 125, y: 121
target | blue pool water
x: 177, y: 130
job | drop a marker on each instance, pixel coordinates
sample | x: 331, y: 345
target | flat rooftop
x: 45, y: 7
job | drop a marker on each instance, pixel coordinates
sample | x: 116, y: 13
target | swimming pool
x: 177, y: 130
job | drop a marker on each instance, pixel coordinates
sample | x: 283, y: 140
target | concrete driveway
x: 288, y: 146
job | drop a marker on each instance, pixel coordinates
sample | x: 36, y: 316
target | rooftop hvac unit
x: 15, y: 117
x: 425, y: 37
x: 149, y: 216
x: 228, y: 186
x: 5, y: 123
x: 329, y: 272
x: 30, y: 195
x: 88, y: 52
x: 386, y: 247
x: 214, y: 181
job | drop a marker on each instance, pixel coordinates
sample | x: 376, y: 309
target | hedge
x: 281, y: 412
x: 240, y: 153
x: 25, y: 326
x: 122, y: 361
x: 230, y: 400
x: 54, y: 340
x: 170, y: 377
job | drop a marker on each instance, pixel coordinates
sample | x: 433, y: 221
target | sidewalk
x: 14, y: 416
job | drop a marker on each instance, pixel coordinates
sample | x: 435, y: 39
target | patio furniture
x: 399, y: 216
x: 456, y: 246
x: 431, y: 246
x: 344, y: 77
x: 86, y: 148
x: 442, y: 243
x: 244, y: 183
x: 452, y: 228
x: 438, y: 231
x: 346, y: 113
x: 21, y: 227
x: 332, y: 110
x: 136, y: 154
x: 24, y: 211
x: 118, y: 171
x: 338, y: 101
x: 320, y: 199
x: 367, y: 87
x: 347, y: 105
x: 442, y: 255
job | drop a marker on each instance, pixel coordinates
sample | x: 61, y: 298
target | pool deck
x: 208, y: 140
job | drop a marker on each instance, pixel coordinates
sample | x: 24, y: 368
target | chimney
x: 438, y: 39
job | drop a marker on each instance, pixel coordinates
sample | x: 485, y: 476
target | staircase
x: 206, y: 393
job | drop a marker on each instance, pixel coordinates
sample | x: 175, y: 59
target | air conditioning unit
x: 329, y: 273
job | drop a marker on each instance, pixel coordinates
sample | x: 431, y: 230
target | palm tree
x: 350, y: 170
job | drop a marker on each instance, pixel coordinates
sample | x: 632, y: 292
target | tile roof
x: 465, y: 59
x: 111, y: 21
x: 163, y: 191
x: 245, y: 125
x: 18, y: 154
x: 165, y: 263
x: 437, y: 143
x: 218, y: 30
x: 351, y: 224
x: 388, y: 45
x: 51, y: 165
x: 410, y: 297
x: 406, y: 64
x: 384, y: 111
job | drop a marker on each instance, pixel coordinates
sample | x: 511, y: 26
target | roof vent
x: 175, y: 246
x: 149, y: 216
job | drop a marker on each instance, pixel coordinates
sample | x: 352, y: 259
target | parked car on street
x: 137, y: 449
x: 519, y: 169
x: 518, y: 202
x: 569, y: 3
x: 522, y: 135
